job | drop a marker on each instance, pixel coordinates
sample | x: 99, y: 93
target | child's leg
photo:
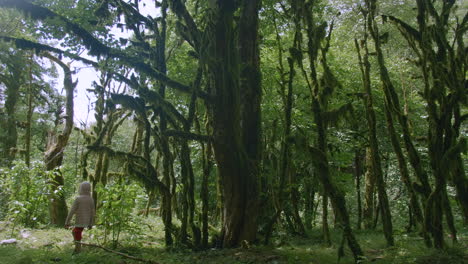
x: 77, y: 235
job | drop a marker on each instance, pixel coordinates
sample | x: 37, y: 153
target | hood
x: 85, y: 188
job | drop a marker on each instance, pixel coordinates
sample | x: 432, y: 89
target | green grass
x: 54, y: 245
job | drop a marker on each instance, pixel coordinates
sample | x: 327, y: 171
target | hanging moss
x: 138, y: 167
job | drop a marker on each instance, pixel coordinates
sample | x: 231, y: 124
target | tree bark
x: 369, y: 191
x: 54, y: 153
x: 10, y: 136
x: 325, y: 228
x: 358, y: 173
x: 29, y: 115
x: 232, y: 127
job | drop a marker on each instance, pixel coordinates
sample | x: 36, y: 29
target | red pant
x: 77, y: 233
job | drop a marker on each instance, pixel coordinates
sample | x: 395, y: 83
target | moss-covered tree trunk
x: 55, y: 149
x: 236, y: 117
x: 9, y: 136
x: 29, y: 114
x: 325, y: 226
x: 358, y: 169
x: 369, y: 193
x: 319, y: 104
x: 373, y: 142
x: 392, y: 105
x: 461, y: 185
x: 207, y: 165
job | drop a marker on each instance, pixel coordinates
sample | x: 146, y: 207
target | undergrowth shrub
x: 23, y: 193
x: 115, y: 213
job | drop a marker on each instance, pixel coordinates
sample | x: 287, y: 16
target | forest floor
x: 54, y: 245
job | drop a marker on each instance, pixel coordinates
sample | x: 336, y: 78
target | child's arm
x: 71, y: 213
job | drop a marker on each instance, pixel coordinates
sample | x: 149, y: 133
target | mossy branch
x: 152, y: 97
x: 149, y: 178
x: 182, y: 13
x: 22, y: 43
x: 96, y: 47
x: 187, y: 135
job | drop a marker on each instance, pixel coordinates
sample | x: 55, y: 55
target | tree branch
x: 120, y: 253
x: 187, y: 135
x: 95, y: 47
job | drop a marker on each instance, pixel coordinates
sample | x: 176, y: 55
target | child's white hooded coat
x: 83, y: 207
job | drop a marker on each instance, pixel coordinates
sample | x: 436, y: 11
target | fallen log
x: 121, y: 254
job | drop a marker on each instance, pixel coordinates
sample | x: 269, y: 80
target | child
x: 83, y: 209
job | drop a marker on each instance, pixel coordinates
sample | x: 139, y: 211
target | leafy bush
x: 115, y: 210
x: 26, y: 191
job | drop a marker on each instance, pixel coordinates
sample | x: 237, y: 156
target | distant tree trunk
x: 358, y: 173
x: 27, y: 136
x: 392, y: 103
x: 294, y: 198
x: 325, y: 228
x: 449, y: 218
x: 309, y: 203
x: 10, y: 138
x: 167, y: 161
x: 374, y: 145
x: 442, y: 58
x: 319, y: 105
x: 457, y: 172
x: 99, y: 91
x: 369, y: 191
x: 413, y: 199
x: 187, y: 172
x: 461, y: 185
x: 55, y: 150
x: 286, y: 90
x: 188, y: 181
x: 204, y: 191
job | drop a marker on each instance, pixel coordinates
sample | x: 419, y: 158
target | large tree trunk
x: 236, y: 145
x: 55, y: 149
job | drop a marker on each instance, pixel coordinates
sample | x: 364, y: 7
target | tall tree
x: 442, y: 62
x: 321, y: 88
x: 392, y: 107
x: 373, y: 142
x: 55, y: 149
